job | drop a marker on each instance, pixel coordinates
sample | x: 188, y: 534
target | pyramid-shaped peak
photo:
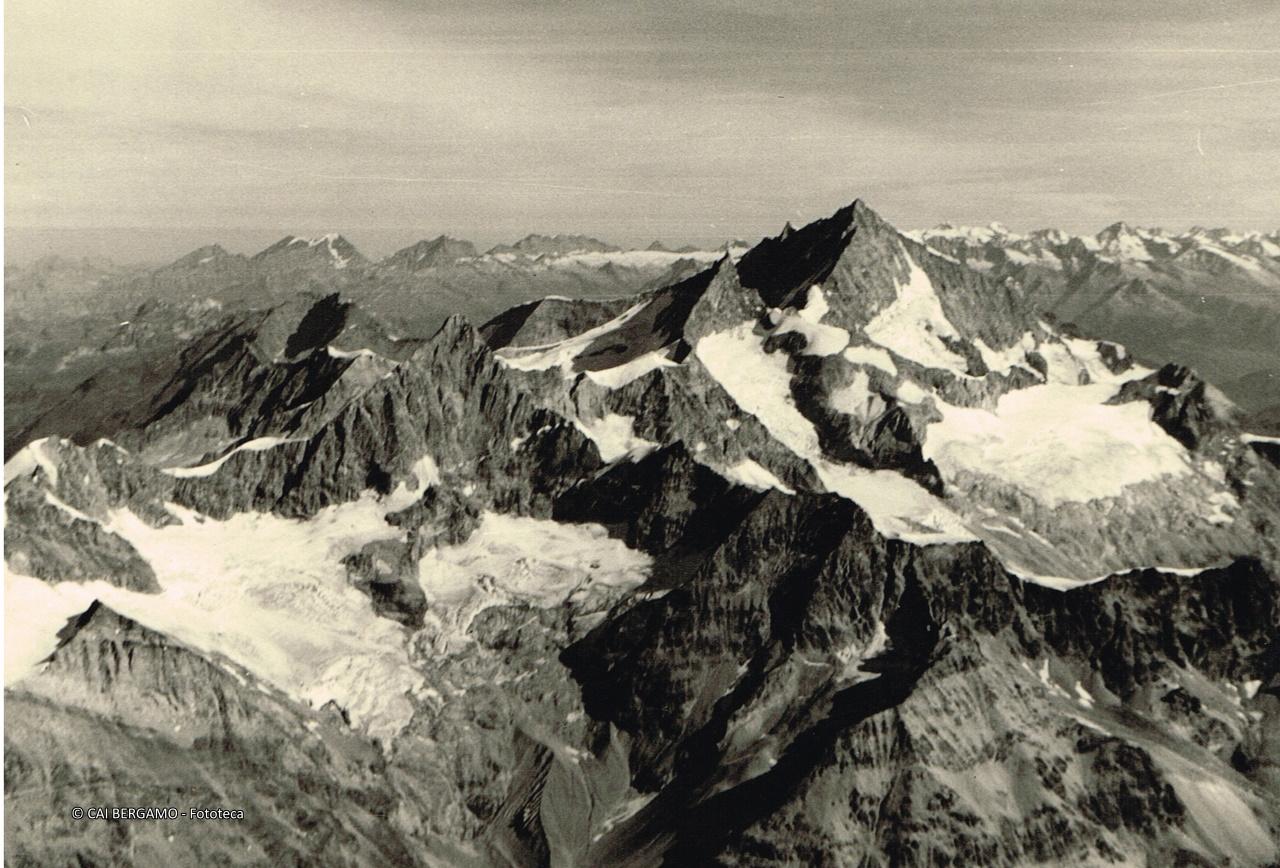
x: 439, y: 251
x: 300, y: 324
x: 780, y: 266
x: 101, y: 621
x: 1119, y: 229
x: 719, y: 300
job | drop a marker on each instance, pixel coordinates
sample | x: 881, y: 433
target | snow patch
x: 335, y: 353
x: 53, y: 500
x: 261, y: 444
x: 856, y: 398
x: 873, y: 356
x: 759, y: 383
x: 914, y: 324
x: 1084, y: 697
x: 754, y: 475
x: 820, y: 340
x: 615, y: 437
x: 897, y: 506
x: 910, y: 392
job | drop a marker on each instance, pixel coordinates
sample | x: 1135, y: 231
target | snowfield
x: 511, y: 559
x: 265, y: 592
x: 1056, y: 442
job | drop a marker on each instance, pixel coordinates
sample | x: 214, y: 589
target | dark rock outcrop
x: 1182, y: 404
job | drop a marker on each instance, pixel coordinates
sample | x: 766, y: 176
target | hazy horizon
x: 141, y: 128
x: 135, y: 245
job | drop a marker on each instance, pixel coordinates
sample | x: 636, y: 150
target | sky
x: 142, y: 129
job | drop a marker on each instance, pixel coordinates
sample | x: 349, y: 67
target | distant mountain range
x: 1208, y: 297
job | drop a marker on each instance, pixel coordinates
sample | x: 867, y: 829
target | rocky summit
x: 838, y: 549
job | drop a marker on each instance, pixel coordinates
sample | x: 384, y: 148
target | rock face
x: 832, y: 552
x: 49, y: 540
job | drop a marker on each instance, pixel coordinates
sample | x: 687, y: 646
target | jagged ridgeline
x: 830, y: 551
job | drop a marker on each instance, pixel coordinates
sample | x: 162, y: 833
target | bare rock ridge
x: 833, y: 551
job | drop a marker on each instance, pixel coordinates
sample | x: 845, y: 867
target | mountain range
x: 1209, y: 298
x: 850, y: 547
x: 1206, y: 298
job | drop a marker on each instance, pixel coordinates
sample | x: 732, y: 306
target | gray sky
x: 148, y: 127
